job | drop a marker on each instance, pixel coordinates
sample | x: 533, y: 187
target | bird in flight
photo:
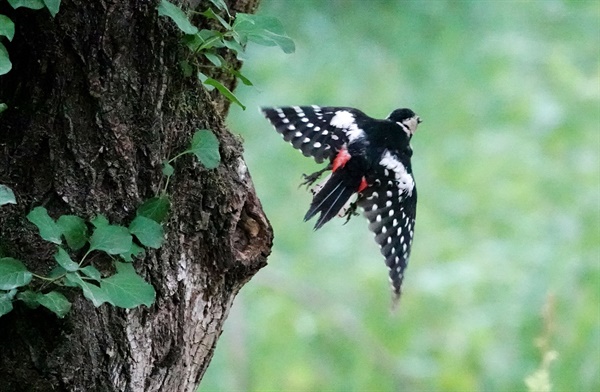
x: 367, y: 157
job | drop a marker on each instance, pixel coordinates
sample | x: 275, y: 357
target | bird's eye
x: 419, y: 121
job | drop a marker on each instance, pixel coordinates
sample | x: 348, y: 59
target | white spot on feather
x: 343, y: 119
x: 404, y: 180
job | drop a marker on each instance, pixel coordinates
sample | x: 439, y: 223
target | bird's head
x: 407, y: 119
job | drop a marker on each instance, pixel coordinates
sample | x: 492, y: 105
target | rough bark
x: 96, y: 103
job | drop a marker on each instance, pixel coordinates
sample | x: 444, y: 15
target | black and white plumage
x: 367, y: 157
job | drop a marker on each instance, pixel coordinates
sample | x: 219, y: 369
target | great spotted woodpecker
x: 367, y: 157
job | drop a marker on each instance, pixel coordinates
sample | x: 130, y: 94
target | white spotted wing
x: 319, y: 132
x: 390, y: 206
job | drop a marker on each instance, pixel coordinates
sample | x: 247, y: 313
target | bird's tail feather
x: 330, y: 199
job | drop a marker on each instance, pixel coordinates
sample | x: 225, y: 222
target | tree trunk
x: 96, y: 102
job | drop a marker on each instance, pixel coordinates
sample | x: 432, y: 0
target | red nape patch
x: 340, y: 159
x: 363, y: 185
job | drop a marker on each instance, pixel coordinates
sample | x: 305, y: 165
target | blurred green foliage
x: 507, y: 162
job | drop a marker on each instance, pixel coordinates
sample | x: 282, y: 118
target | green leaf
x: 53, y: 6
x: 178, y: 16
x: 225, y: 91
x: 7, y: 27
x: 220, y: 4
x: 57, y: 272
x: 126, y: 289
x: 90, y: 291
x: 74, y: 230
x: 3, y: 107
x: 7, y: 196
x: 156, y: 208
x: 30, y: 298
x: 263, y: 30
x: 5, y: 306
x: 210, y: 14
x: 64, y: 260
x: 167, y: 169
x: 6, y: 299
x: 49, y: 230
x: 214, y: 58
x: 147, y: 231
x: 91, y: 272
x: 5, y: 64
x: 205, y: 146
x: 13, y: 274
x: 186, y: 68
x: 33, y: 4
x: 204, y: 39
x: 112, y: 239
x: 203, y: 78
x: 134, y: 251
x: 236, y: 47
x: 244, y: 79
x: 99, y: 221
x: 55, y: 302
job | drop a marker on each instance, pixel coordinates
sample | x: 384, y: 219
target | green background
x: 508, y: 171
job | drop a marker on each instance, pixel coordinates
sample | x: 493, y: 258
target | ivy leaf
x: 7, y: 196
x: 53, y: 6
x: 49, y: 230
x: 236, y: 47
x: 112, y: 239
x: 7, y: 27
x: 147, y: 231
x: 33, y: 4
x: 74, y: 230
x: 126, y: 289
x: 203, y: 78
x: 177, y: 15
x: 205, y: 146
x: 64, y: 260
x: 187, y: 70
x: 5, y: 64
x: 134, y: 251
x: 241, y: 77
x: 6, y: 302
x: 91, y: 272
x: 167, y: 169
x: 90, y: 291
x: 215, y: 59
x: 13, y: 274
x: 263, y: 30
x: 220, y: 4
x: 30, y: 298
x: 155, y: 208
x: 55, y: 302
x: 99, y: 221
x: 57, y: 272
x: 225, y: 91
x: 204, y: 39
x: 210, y: 14
x: 5, y: 305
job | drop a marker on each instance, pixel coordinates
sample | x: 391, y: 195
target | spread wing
x: 390, y: 205
x: 318, y: 132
